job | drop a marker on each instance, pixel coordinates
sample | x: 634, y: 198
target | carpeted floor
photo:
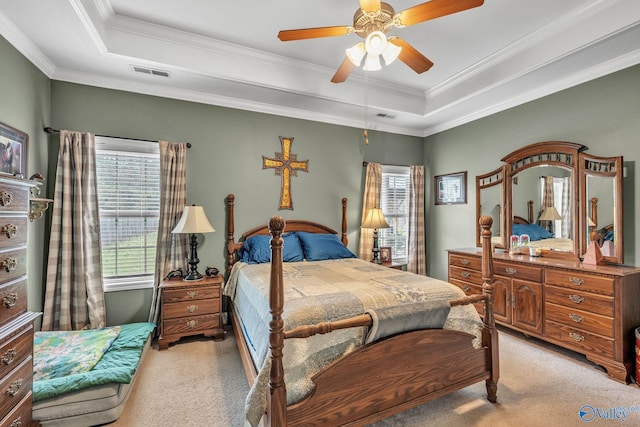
x: 202, y: 383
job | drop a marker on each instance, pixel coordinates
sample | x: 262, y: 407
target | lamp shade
x: 374, y: 219
x: 193, y: 220
x: 355, y: 53
x: 550, y: 213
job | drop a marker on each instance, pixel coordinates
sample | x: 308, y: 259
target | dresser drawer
x: 13, y: 231
x: 578, y: 339
x: 472, y: 263
x: 14, y: 198
x: 590, y: 322
x: 21, y: 415
x: 517, y: 271
x: 190, y: 325
x: 13, y: 299
x: 465, y: 275
x: 586, y: 301
x: 15, y: 386
x: 190, y: 294
x: 190, y: 308
x: 579, y: 281
x: 13, y: 263
x: 15, y: 350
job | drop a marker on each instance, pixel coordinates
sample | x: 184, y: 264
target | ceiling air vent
x: 150, y: 71
x: 385, y: 116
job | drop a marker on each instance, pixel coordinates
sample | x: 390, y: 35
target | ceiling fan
x: 372, y: 21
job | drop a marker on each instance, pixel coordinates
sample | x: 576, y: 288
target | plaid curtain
x: 567, y: 208
x: 370, y: 199
x: 417, y: 262
x: 548, y: 199
x: 74, y: 294
x: 172, y: 249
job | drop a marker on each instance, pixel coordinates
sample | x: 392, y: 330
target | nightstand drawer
x: 583, y: 282
x: 579, y: 300
x: 190, y: 325
x: 191, y: 308
x: 190, y: 294
x: 584, y: 320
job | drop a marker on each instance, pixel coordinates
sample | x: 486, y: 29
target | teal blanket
x: 117, y: 365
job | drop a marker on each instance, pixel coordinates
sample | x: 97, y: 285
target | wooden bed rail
x: 307, y: 331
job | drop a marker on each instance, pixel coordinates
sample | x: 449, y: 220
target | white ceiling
x: 226, y: 52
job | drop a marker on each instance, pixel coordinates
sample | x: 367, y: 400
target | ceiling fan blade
x: 370, y: 5
x: 434, y: 9
x: 343, y: 71
x: 313, y: 33
x: 410, y: 56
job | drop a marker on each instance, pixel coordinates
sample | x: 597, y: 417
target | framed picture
x: 385, y: 254
x: 13, y: 151
x: 451, y: 189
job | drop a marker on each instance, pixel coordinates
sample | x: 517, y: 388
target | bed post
x: 490, y: 332
x: 230, y: 230
x: 344, y: 238
x: 277, y: 396
x: 532, y: 217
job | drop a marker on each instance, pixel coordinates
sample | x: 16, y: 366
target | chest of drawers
x: 16, y: 323
x: 190, y: 308
x: 589, y: 309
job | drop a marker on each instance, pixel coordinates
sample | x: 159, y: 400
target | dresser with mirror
x: 566, y: 283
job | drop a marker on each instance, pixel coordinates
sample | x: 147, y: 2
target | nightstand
x: 397, y: 266
x: 190, y: 308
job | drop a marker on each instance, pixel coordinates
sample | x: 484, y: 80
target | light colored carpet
x: 202, y: 383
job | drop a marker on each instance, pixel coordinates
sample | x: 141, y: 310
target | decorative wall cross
x: 286, y: 165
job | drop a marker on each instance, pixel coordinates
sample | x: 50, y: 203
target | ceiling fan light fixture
x: 375, y: 43
x: 372, y: 63
x: 390, y: 53
x: 356, y: 53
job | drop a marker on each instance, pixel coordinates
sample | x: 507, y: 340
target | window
x: 394, y: 201
x: 128, y: 175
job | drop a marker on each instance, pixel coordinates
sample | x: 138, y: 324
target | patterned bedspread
x: 325, y: 291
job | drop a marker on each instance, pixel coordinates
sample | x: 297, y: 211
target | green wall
x: 602, y: 114
x: 226, y: 157
x: 25, y: 105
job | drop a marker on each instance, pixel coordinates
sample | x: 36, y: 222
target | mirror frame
x: 602, y: 167
x: 489, y: 180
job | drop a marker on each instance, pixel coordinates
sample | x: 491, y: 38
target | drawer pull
x: 466, y: 274
x: 192, y: 324
x: 16, y: 423
x: 576, y: 298
x: 8, y: 356
x: 9, y: 264
x: 464, y: 261
x: 576, y: 281
x: 6, y: 198
x: 192, y: 308
x: 466, y: 288
x: 10, y: 231
x: 14, y: 388
x: 192, y: 294
x: 511, y: 271
x: 576, y: 337
x: 576, y: 318
x: 10, y: 300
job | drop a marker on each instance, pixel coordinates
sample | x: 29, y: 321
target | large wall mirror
x: 601, y: 186
x: 562, y: 198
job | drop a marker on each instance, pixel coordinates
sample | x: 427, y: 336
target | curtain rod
x: 52, y: 130
x: 365, y: 163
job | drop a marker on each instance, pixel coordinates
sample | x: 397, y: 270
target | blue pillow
x: 318, y: 247
x: 257, y: 249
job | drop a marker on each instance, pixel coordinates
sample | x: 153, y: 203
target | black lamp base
x: 376, y: 249
x: 193, y: 274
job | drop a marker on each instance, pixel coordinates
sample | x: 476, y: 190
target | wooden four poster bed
x: 378, y: 377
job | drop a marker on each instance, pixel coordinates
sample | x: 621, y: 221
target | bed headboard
x: 291, y: 225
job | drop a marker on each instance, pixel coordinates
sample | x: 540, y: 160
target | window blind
x: 394, y: 201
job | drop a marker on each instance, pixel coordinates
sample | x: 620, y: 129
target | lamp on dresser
x: 375, y: 220
x: 193, y: 221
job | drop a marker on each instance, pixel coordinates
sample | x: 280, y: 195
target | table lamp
x: 375, y: 219
x: 193, y: 221
x: 550, y: 213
